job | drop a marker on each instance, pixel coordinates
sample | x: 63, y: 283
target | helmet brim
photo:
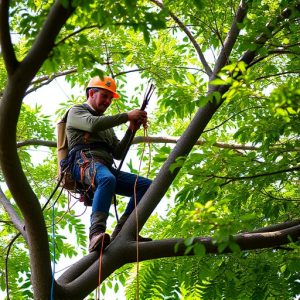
x: 115, y: 95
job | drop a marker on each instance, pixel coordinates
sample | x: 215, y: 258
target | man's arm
x: 80, y: 118
x: 136, y: 119
x: 120, y: 147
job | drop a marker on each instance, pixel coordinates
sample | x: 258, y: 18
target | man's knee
x: 144, y: 184
x: 108, y: 180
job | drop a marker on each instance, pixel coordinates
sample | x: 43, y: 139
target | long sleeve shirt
x: 82, y: 119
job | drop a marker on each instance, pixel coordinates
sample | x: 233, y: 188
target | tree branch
x: 79, y: 280
x: 7, y: 48
x: 14, y: 217
x: 231, y: 37
x: 268, y: 194
x: 246, y: 241
x: 44, y: 80
x: 261, y: 58
x: 6, y: 263
x: 11, y: 166
x: 131, y: 71
x: 231, y: 179
x: 76, y: 32
x: 190, y: 36
x: 45, y: 41
x: 277, y: 227
x: 231, y: 117
x: 278, y: 74
x: 160, y: 140
x: 249, y: 55
x: 281, y: 51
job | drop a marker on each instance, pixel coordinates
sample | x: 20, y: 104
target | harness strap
x: 83, y: 166
x: 69, y: 160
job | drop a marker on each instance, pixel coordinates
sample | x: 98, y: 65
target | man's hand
x: 137, y: 118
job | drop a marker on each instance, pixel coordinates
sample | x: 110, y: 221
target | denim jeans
x: 108, y: 182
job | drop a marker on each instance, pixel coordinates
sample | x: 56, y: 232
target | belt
x: 103, y: 162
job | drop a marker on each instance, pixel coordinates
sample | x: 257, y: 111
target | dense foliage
x: 243, y: 174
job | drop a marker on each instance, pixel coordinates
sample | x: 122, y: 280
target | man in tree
x: 90, y: 134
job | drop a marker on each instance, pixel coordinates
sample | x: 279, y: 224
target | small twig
x: 189, y: 35
x: 76, y: 32
x: 277, y: 74
x: 108, y: 61
x: 44, y: 80
x: 231, y: 179
x: 6, y: 264
x: 279, y: 199
x: 231, y: 117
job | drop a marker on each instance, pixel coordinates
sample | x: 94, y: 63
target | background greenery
x: 244, y: 174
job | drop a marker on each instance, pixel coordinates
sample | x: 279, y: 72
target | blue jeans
x: 108, y: 182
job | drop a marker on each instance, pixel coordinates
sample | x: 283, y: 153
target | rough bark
x: 20, y: 75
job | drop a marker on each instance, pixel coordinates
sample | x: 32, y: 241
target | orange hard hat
x: 107, y: 84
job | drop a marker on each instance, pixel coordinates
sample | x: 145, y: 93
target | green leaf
x: 234, y: 247
x: 116, y: 287
x: 188, y: 241
x: 199, y: 249
x: 217, y: 81
x: 190, y: 77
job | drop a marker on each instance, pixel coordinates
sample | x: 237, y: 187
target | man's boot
x: 98, y: 237
x: 119, y: 226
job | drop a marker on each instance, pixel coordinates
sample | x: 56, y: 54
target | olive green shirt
x: 83, y: 119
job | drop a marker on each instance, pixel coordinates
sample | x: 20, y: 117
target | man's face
x: 101, y: 99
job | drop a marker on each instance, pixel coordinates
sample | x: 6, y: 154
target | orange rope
x: 149, y: 146
x: 137, y: 230
x: 137, y: 242
x: 137, y: 223
x: 100, y: 270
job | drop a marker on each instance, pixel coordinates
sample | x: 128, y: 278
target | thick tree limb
x: 45, y: 40
x: 189, y: 35
x: 246, y: 241
x: 11, y: 167
x: 7, y: 49
x: 76, y: 284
